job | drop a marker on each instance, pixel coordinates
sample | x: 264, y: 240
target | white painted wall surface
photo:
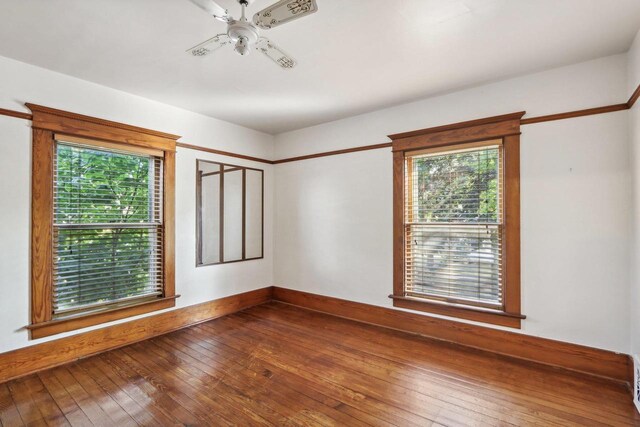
x: 334, y: 214
x: 634, y: 135
x: 21, y: 83
x: 575, y: 87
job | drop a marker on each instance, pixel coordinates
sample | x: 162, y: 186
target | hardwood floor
x: 280, y: 365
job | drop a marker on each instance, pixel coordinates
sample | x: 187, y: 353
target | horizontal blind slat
x: 107, y: 228
x: 98, y: 294
x: 106, y: 294
x: 463, y: 293
x: 453, y: 225
x: 72, y: 293
x: 107, y: 304
x: 93, y: 279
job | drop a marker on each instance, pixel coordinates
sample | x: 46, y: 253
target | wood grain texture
x: 634, y: 97
x: 41, y: 225
x: 223, y: 153
x: 574, y: 114
x: 560, y: 116
x: 48, y: 111
x: 66, y: 324
x: 506, y: 130
x: 16, y: 114
x: 334, y: 153
x: 244, y: 214
x: 477, y: 314
x: 31, y: 359
x: 224, y: 170
x: 276, y: 364
x: 169, y: 224
x: 459, y: 125
x: 592, y: 361
x: 483, y: 132
x: 45, y: 122
x: 199, y: 243
x: 98, y: 129
x: 398, y: 223
x: 511, y: 266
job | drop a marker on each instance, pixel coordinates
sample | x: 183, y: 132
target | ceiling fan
x: 246, y: 35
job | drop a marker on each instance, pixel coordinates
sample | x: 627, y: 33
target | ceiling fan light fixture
x: 245, y: 35
x: 242, y: 46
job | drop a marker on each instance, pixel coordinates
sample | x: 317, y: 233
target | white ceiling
x: 353, y: 55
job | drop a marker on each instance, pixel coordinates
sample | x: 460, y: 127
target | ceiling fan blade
x: 284, y: 11
x: 265, y: 46
x: 210, y: 45
x: 213, y: 9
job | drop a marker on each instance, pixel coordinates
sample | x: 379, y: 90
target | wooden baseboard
x: 586, y: 360
x: 601, y: 363
x: 34, y: 358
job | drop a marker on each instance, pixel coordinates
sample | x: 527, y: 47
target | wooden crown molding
x: 574, y: 114
x: 585, y: 360
x: 525, y: 121
x: 27, y: 360
x: 223, y: 153
x: 336, y: 152
x: 78, y: 125
x: 16, y: 114
x: 496, y: 127
x: 459, y: 125
x: 634, y: 97
x: 61, y: 113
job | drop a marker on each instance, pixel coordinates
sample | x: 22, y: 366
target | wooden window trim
x: 47, y: 122
x: 133, y: 149
x: 199, y: 176
x: 507, y: 129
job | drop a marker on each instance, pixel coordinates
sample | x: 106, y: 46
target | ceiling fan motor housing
x: 243, y: 29
x: 244, y: 34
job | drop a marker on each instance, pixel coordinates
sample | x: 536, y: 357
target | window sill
x: 53, y: 327
x: 478, y: 314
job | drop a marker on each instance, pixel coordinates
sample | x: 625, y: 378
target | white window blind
x: 108, y: 244
x: 454, y: 225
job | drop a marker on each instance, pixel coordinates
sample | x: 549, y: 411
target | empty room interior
x: 320, y: 212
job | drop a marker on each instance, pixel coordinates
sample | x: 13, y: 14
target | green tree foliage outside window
x: 107, y: 225
x: 456, y: 242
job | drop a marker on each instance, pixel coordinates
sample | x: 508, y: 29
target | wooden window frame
x: 47, y: 122
x: 507, y: 129
x: 199, y: 238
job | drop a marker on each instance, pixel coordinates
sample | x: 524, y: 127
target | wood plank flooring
x: 280, y: 365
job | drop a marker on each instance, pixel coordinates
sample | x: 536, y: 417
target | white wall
x: 333, y: 214
x: 634, y: 134
x: 334, y: 218
x: 21, y: 83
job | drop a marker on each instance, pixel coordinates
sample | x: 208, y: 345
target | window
x: 457, y: 221
x: 107, y: 228
x: 229, y: 213
x: 453, y: 225
x: 102, y: 221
